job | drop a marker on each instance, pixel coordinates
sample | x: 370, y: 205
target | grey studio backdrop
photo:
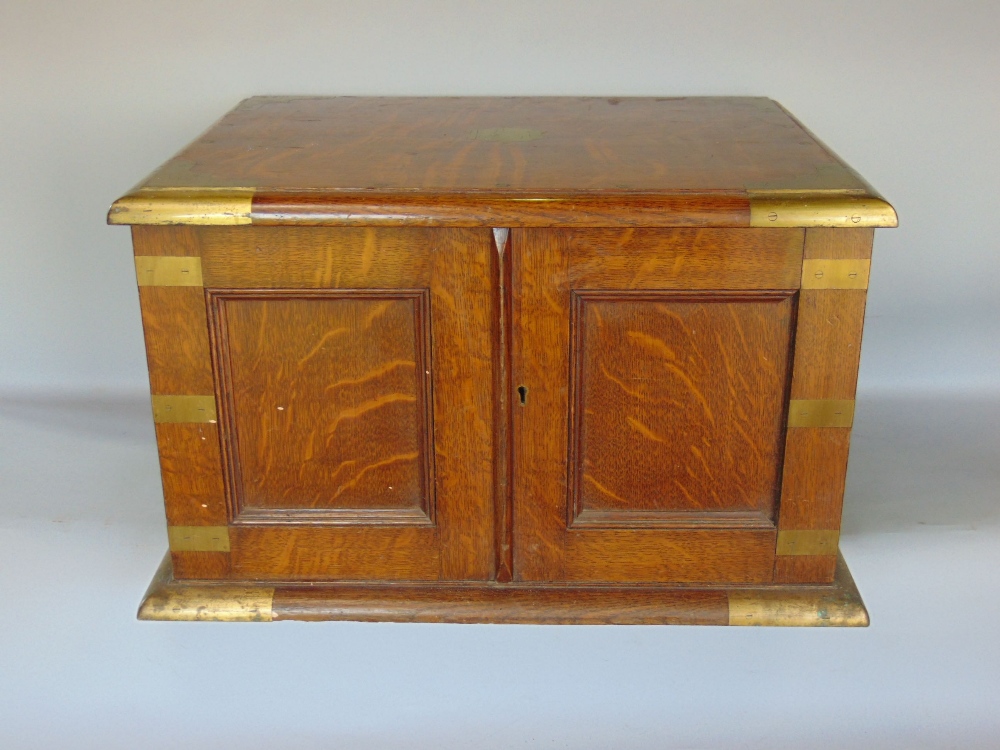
x: 94, y: 95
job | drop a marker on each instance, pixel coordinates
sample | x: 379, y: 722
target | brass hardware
x: 202, y: 206
x: 184, y: 409
x: 807, y: 542
x: 820, y: 412
x: 168, y: 599
x: 198, y: 538
x: 168, y: 270
x: 509, y: 135
x: 838, y: 605
x: 835, y: 273
x: 827, y: 208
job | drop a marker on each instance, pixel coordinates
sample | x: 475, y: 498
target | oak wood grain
x: 715, y: 209
x: 464, y: 309
x: 207, y: 566
x: 677, y: 402
x: 328, y: 404
x: 804, y: 568
x: 334, y: 326
x: 751, y: 374
x: 828, y: 343
x: 825, y: 242
x: 674, y: 555
x: 471, y: 144
x: 316, y: 257
x: 335, y: 553
x: 175, y: 327
x: 684, y: 258
x: 579, y: 605
x: 191, y: 470
x: 827, y: 354
x: 812, y: 488
x: 169, y: 240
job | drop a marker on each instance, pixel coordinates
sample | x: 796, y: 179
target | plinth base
x: 838, y: 604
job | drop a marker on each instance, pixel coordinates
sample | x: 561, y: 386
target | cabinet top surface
x: 477, y: 151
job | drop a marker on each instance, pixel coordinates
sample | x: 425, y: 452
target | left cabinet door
x: 323, y: 399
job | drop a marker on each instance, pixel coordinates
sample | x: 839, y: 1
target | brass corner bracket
x: 822, y: 412
x: 168, y: 270
x: 198, y: 538
x: 193, y: 409
x: 807, y: 542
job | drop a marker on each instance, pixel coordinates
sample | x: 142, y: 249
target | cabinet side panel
x: 825, y: 372
x: 175, y: 326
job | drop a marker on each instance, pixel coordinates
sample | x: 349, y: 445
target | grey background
x: 94, y: 95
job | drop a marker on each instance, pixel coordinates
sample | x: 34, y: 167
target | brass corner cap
x: 169, y: 599
x: 839, y: 605
x: 827, y: 208
x: 195, y: 206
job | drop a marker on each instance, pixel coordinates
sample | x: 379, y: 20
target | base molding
x: 838, y: 604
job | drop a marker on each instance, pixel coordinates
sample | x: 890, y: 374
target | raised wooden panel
x: 684, y: 258
x: 677, y: 406
x: 328, y: 414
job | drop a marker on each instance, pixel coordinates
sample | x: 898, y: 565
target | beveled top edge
x: 242, y: 206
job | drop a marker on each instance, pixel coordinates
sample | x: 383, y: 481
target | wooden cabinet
x: 598, y: 367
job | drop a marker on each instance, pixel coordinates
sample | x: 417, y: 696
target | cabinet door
x: 652, y: 370
x: 353, y: 376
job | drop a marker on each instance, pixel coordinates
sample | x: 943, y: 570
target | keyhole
x: 522, y: 393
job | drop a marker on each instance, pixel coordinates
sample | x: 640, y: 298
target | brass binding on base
x: 168, y: 600
x: 839, y: 605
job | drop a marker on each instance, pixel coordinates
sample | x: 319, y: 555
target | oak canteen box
x: 558, y: 360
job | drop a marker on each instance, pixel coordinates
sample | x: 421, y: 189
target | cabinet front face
x: 353, y: 382
x: 655, y: 367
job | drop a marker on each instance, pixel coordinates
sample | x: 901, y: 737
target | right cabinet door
x: 652, y: 369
